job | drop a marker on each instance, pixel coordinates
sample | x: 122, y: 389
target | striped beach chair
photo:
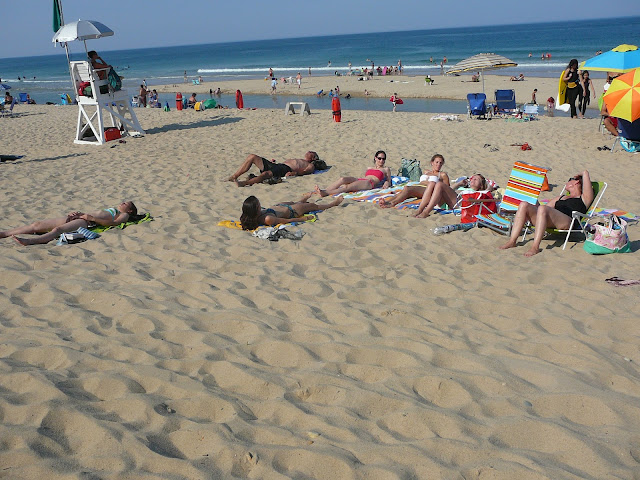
x: 578, y: 220
x: 524, y: 185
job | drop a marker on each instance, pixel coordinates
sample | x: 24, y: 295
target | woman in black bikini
x: 555, y: 214
x: 253, y: 215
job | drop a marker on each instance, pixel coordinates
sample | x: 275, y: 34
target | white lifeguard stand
x: 104, y: 101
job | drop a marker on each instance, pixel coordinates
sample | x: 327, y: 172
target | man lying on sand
x: 289, y: 168
x: 53, y: 227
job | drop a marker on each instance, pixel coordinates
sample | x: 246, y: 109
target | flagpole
x: 66, y: 46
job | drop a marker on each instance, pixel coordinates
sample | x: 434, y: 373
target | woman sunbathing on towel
x: 53, y: 227
x: 253, y: 215
x: 555, y: 214
x: 443, y: 193
x: 427, y: 182
x: 379, y: 176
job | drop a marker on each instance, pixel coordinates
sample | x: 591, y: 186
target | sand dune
x: 369, y: 349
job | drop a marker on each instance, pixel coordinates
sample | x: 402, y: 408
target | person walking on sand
x: 51, y: 228
x: 274, y: 83
x: 533, y: 96
x: 289, y: 168
x: 299, y: 80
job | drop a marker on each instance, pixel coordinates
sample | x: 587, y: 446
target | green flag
x: 57, y: 15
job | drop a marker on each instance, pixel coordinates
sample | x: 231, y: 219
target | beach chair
x: 578, y: 220
x: 506, y: 102
x: 4, y: 111
x: 476, y: 105
x: 629, y: 136
x: 23, y: 98
x: 530, y: 111
x: 103, y: 103
x: 524, y: 185
x: 134, y: 101
x: 196, y: 82
x: 429, y: 81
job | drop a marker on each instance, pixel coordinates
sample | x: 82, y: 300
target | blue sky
x: 27, y: 25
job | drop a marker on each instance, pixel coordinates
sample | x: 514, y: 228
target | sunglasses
x: 381, y: 158
x: 579, y: 179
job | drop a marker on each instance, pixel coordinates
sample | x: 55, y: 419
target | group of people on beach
x: 434, y: 190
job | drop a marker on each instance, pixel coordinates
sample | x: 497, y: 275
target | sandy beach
x: 370, y: 349
x: 444, y: 87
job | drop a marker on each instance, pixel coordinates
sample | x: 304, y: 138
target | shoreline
x: 444, y: 88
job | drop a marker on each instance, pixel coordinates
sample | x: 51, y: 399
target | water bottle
x: 444, y: 229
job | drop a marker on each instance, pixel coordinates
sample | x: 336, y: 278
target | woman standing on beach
x: 428, y: 181
x: 379, y: 176
x: 574, y: 86
x: 587, y: 84
x: 253, y: 215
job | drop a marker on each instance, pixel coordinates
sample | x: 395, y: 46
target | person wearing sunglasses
x: 555, y: 214
x: 377, y: 177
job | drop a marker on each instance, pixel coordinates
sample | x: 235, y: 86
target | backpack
x: 115, y: 82
x: 410, y: 168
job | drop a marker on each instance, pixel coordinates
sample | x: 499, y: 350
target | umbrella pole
x: 482, y: 75
x: 66, y: 49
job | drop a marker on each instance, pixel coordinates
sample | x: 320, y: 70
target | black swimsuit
x: 570, y: 205
x: 278, y: 170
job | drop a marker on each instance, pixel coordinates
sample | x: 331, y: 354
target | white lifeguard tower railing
x: 103, y: 102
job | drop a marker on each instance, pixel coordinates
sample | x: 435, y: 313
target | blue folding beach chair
x: 23, y: 98
x: 629, y: 136
x: 506, y: 102
x: 477, y: 105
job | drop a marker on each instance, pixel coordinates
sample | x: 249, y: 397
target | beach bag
x: 115, y: 82
x: 84, y: 89
x: 629, y: 145
x: 608, y: 238
x: 469, y: 209
x: 410, y: 168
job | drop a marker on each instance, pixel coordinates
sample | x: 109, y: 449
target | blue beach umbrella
x: 4, y: 86
x: 621, y: 59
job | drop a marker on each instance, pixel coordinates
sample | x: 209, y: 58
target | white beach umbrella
x: 82, y: 30
x: 482, y: 62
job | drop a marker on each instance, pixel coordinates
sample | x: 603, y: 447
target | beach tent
x: 480, y: 63
x: 621, y: 59
x: 102, y: 100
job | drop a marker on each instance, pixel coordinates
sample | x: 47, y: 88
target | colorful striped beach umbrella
x: 623, y: 96
x: 621, y: 59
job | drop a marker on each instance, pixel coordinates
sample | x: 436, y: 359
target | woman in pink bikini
x: 379, y: 176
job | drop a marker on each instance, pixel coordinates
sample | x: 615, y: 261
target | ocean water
x: 45, y: 77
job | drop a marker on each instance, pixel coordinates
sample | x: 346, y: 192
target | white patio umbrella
x: 482, y: 62
x: 82, y: 30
